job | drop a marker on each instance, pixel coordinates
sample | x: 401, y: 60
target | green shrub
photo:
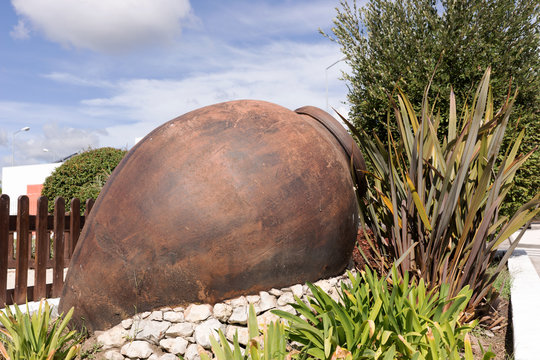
x: 390, y: 43
x: 271, y: 345
x: 82, y: 176
x: 36, y: 336
x: 378, y: 318
x: 433, y: 205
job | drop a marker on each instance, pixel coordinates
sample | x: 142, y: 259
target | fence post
x: 29, y: 238
x: 21, y: 271
x: 42, y: 249
x: 58, y: 269
x: 11, y: 260
x: 74, y: 224
x: 4, y: 238
x: 89, y: 206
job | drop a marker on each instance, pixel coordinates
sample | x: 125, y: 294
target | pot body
x: 226, y: 200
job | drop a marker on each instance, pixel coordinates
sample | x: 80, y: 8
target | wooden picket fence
x: 39, y: 242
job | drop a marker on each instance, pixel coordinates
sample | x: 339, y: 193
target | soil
x: 494, y: 334
x: 363, y: 247
x: 498, y: 336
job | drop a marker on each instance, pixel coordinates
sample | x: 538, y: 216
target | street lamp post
x: 326, y: 78
x: 26, y: 128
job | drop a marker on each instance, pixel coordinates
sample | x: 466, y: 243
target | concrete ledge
x: 525, y: 295
x: 33, y: 306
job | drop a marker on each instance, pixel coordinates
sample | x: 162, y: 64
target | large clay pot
x: 229, y: 199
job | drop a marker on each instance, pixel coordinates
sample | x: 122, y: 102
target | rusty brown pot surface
x: 226, y: 200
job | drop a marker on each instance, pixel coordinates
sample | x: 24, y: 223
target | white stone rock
x: 266, y: 319
x: 173, y: 316
x: 168, y: 357
x: 253, y: 299
x: 113, y: 355
x: 197, y: 313
x: 243, y: 334
x: 239, y: 301
x: 156, y: 315
x: 152, y: 331
x: 204, y: 330
x: 285, y: 299
x: 222, y: 311
x: 287, y: 308
x: 153, y: 357
x: 137, y: 349
x: 134, y: 329
x: 192, y: 352
x: 334, y: 294
x: 257, y: 309
x: 239, y: 315
x: 114, y: 337
x: 174, y: 345
x: 324, y: 285
x: 297, y: 290
x: 143, y: 315
x: 179, y: 309
x: 275, y: 292
x: 165, y: 309
x: 267, y: 301
x: 184, y: 330
x: 126, y: 324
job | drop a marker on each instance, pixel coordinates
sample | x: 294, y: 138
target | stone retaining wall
x: 168, y: 332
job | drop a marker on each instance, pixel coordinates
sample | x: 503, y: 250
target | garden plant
x: 37, y: 336
x: 268, y: 344
x: 374, y: 318
x: 383, y: 318
x: 433, y: 205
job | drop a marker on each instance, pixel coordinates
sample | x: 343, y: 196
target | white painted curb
x: 525, y: 295
x: 34, y: 306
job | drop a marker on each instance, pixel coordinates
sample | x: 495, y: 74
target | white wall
x: 16, y: 178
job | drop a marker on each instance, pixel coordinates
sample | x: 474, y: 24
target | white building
x: 25, y: 180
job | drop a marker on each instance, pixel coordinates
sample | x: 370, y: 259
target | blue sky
x: 98, y: 73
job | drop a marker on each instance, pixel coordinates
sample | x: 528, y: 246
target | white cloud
x: 20, y: 31
x: 287, y: 73
x: 272, y: 18
x: 240, y: 50
x: 62, y: 129
x: 104, y: 25
x: 14, y: 115
x: 66, y: 78
x: 59, y: 141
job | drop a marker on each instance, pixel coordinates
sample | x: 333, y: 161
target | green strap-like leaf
x: 253, y: 327
x: 419, y: 206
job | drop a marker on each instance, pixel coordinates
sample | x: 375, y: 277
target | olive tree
x: 390, y: 44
